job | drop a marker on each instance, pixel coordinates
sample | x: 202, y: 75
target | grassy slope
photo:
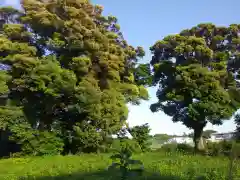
x: 89, y: 166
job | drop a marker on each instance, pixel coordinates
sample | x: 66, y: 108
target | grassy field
x: 93, y: 167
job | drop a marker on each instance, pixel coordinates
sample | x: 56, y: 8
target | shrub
x: 23, y: 139
x: 141, y: 135
x: 172, y: 147
x: 184, y: 148
x: 38, y: 143
x: 123, y: 160
x: 221, y: 148
x: 175, y: 147
x: 117, y: 145
x: 213, y: 149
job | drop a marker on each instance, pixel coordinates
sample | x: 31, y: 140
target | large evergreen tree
x: 197, y: 72
x: 71, y: 70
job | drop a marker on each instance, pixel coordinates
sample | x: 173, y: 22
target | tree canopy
x: 71, y: 72
x: 197, y: 72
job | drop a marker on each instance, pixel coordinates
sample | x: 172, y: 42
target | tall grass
x: 93, y: 167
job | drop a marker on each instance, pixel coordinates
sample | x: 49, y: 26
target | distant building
x: 216, y: 137
x: 180, y: 140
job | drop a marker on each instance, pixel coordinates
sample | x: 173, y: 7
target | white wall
x: 179, y: 140
x: 216, y: 138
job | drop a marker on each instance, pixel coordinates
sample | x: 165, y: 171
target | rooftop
x: 223, y: 133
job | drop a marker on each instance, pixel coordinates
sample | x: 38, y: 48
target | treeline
x: 67, y: 74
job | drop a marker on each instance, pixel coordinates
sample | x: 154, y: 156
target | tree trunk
x: 198, y: 139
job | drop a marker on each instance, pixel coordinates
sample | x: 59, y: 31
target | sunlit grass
x: 93, y: 166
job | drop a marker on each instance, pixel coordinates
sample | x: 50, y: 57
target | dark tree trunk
x: 198, y: 139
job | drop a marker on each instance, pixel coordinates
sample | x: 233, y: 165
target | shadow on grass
x: 103, y: 175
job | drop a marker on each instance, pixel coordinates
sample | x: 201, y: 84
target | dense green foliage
x: 141, y: 135
x: 176, y: 148
x: 91, y: 167
x: 71, y: 74
x: 116, y: 144
x: 223, y: 148
x: 197, y: 72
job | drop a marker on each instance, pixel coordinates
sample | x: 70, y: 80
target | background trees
x: 197, y: 71
x: 71, y: 73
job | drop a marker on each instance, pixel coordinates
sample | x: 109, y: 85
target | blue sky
x: 144, y: 22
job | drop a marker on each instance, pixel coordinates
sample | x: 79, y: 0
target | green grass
x: 93, y: 167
